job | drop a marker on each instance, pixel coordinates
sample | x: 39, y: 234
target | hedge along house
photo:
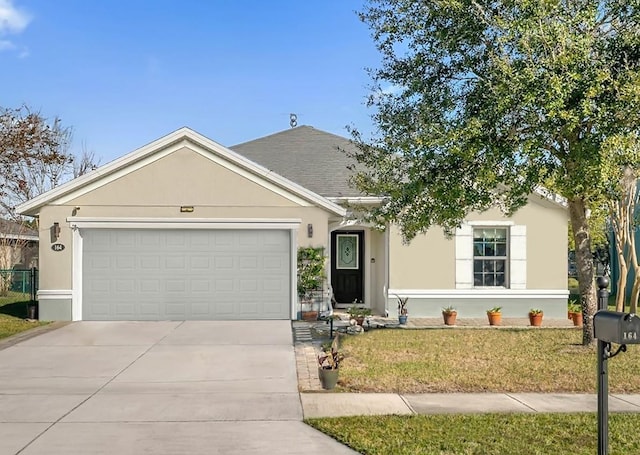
x: 184, y: 228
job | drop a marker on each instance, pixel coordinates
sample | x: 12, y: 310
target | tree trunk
x: 622, y: 283
x: 631, y: 241
x: 584, y: 264
x: 619, y: 222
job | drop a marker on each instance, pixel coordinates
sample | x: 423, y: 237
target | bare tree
x: 35, y: 157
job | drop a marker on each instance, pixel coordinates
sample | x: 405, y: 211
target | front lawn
x: 13, y: 313
x: 485, y: 434
x: 479, y: 360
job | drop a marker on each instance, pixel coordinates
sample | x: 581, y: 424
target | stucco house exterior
x: 187, y: 229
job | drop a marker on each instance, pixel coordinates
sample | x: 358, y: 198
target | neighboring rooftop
x: 309, y: 157
x: 13, y: 230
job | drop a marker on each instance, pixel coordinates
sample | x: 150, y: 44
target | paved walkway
x: 317, y: 403
x: 167, y: 387
x: 348, y: 404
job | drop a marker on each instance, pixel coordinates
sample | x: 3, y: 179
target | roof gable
x: 310, y: 157
x: 162, y: 147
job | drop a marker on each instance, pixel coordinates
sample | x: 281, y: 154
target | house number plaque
x: 57, y: 247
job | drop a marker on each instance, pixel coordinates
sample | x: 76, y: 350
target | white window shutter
x: 464, y: 257
x: 518, y: 257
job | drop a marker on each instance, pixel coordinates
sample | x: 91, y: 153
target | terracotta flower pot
x: 577, y: 319
x: 310, y: 316
x: 535, y: 320
x: 450, y: 317
x: 494, y: 318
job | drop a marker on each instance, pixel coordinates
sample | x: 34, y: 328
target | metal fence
x: 23, y: 281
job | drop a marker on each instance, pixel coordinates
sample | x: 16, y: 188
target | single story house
x: 187, y: 229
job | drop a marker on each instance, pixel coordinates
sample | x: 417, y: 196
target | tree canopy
x: 34, y: 157
x: 479, y: 103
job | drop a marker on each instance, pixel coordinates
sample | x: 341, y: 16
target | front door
x: 347, y: 266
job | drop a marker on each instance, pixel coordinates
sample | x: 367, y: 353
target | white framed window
x: 490, y: 257
x: 471, y: 245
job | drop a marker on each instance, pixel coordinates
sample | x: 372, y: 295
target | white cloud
x: 12, y: 19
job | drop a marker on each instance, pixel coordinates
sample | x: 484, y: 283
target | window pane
x: 490, y: 256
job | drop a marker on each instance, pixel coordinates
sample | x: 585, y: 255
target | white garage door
x: 188, y: 274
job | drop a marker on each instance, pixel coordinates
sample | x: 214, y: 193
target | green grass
x: 481, y: 434
x: 479, y: 360
x: 13, y: 313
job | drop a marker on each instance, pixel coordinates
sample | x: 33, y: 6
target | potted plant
x: 403, y: 314
x: 328, y: 365
x: 449, y: 315
x: 311, y: 262
x: 575, y: 310
x: 495, y: 315
x: 358, y: 313
x: 535, y: 317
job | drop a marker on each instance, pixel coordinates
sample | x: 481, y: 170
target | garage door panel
x: 200, y: 262
x: 128, y: 285
x: 186, y: 274
x: 124, y: 239
x: 176, y: 263
x: 248, y: 262
x: 126, y: 262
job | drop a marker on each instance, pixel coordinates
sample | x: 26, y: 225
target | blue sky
x: 123, y: 73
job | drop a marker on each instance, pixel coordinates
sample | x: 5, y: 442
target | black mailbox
x: 616, y: 327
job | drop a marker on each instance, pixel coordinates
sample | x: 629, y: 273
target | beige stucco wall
x: 428, y: 262
x: 157, y: 190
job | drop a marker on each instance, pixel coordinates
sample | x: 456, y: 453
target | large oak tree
x: 478, y: 103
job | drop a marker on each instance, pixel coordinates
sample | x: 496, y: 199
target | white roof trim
x: 363, y: 200
x: 77, y: 222
x: 124, y: 165
x: 33, y: 238
x: 551, y: 196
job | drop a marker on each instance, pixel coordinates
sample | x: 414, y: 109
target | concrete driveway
x: 155, y: 387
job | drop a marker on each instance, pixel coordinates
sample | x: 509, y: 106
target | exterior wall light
x: 55, y: 231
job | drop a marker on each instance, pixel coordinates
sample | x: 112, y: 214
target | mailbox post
x: 610, y: 327
x: 603, y: 380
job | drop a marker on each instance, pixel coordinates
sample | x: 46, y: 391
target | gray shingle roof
x: 309, y: 157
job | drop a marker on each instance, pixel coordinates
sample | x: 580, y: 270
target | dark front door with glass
x: 347, y: 266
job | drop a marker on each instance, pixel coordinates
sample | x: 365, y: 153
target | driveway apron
x: 155, y: 387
